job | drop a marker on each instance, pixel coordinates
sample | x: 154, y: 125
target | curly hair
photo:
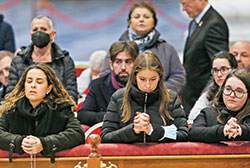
x: 58, y: 94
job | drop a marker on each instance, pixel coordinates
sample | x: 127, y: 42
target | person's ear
x: 111, y: 65
x: 53, y: 35
x: 49, y: 89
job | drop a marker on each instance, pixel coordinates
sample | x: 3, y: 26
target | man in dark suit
x: 122, y: 55
x: 208, y: 34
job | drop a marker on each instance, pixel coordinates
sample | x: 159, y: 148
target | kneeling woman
x: 38, y: 115
x: 230, y: 118
x: 145, y: 111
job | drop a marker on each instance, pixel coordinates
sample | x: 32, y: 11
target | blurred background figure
x: 241, y: 51
x: 5, y: 62
x: 43, y: 49
x: 207, y: 35
x: 96, y: 60
x: 7, y: 40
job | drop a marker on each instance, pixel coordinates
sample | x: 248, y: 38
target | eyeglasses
x: 239, y: 93
x: 224, y: 70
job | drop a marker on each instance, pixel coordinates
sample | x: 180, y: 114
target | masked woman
x: 44, y: 50
x: 145, y: 111
x: 229, y: 119
x: 37, y: 116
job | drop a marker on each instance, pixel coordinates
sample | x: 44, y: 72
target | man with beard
x: 122, y: 57
x: 241, y: 51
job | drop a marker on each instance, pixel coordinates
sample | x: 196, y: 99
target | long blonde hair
x: 147, y: 60
x: 58, y: 94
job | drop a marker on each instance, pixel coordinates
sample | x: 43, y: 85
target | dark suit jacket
x: 95, y: 105
x: 7, y: 41
x: 210, y: 37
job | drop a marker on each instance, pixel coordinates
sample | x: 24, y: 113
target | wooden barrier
x: 177, y: 155
x: 185, y: 161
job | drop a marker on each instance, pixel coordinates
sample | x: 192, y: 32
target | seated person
x: 222, y: 63
x: 37, y: 116
x: 5, y: 61
x: 145, y: 111
x: 229, y: 119
x: 122, y: 56
x: 96, y: 59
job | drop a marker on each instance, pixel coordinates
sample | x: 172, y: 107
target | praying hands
x: 232, y: 129
x: 142, y: 123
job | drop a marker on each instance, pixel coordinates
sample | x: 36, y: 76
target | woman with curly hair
x: 37, y: 116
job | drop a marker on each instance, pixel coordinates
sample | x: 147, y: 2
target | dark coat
x: 116, y: 131
x: 210, y: 37
x: 62, y: 64
x: 95, y: 105
x: 206, y: 128
x: 175, y: 75
x: 7, y: 40
x: 56, y: 128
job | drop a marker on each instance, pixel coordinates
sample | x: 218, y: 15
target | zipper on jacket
x: 145, y: 111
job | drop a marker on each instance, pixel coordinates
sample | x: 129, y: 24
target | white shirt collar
x: 203, y: 12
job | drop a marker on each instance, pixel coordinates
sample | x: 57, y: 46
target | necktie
x: 192, y: 27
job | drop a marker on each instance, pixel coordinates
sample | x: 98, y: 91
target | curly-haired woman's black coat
x: 56, y: 126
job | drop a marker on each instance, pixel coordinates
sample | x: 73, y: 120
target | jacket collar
x: 57, y: 53
x: 139, y: 96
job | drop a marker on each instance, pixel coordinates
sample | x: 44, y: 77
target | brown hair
x: 4, y: 54
x: 130, y: 46
x: 244, y: 76
x: 142, y: 4
x: 147, y: 60
x: 58, y: 94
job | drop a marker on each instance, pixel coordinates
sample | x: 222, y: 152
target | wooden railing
x: 170, y: 155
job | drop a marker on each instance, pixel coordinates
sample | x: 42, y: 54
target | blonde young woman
x: 145, y: 111
x: 38, y: 115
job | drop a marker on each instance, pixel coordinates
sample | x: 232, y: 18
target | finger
x: 138, y: 113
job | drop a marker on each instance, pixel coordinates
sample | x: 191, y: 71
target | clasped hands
x: 142, y: 123
x: 232, y: 128
x: 32, y: 145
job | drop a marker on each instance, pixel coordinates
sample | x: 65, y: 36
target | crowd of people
x: 138, y: 88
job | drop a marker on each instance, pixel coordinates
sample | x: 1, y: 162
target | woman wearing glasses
x: 229, y: 119
x: 222, y: 63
